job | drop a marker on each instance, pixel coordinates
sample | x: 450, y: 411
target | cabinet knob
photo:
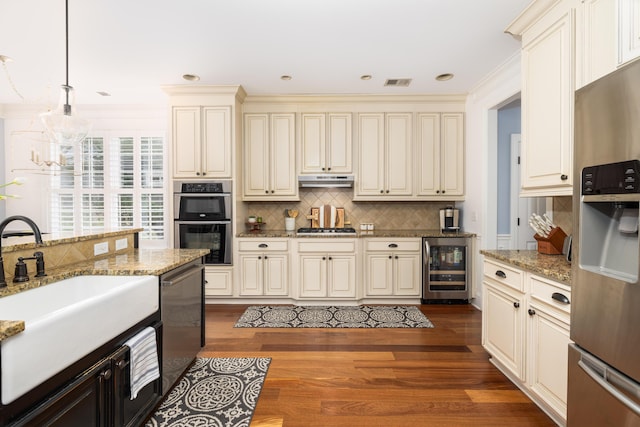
x: 443, y: 191
x: 324, y: 258
x: 322, y: 168
x: 198, y: 173
x: 259, y: 257
x: 204, y: 173
x: 330, y: 258
x: 531, y: 312
x: 265, y: 257
x: 390, y: 257
x: 106, y: 374
x: 516, y: 304
x: 121, y: 364
x: 437, y: 191
x: 396, y: 256
x: 266, y: 191
x: 328, y: 169
x: 381, y: 191
x: 501, y: 274
x: 564, y: 177
x: 273, y: 191
x: 387, y: 191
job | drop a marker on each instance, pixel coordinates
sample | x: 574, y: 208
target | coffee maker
x: 450, y: 219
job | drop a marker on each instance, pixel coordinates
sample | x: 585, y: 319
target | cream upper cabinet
x: 269, y: 157
x: 629, y: 30
x: 385, y: 156
x: 597, y: 40
x: 440, y: 156
x: 548, y: 84
x: 326, y: 143
x: 202, y: 142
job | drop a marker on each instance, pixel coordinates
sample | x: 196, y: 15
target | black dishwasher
x: 182, y: 314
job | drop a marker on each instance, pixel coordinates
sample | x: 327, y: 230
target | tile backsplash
x: 563, y: 212
x: 384, y: 215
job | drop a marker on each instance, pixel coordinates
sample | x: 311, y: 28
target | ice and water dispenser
x: 609, y: 220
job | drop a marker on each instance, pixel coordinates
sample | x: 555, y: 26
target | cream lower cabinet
x: 327, y: 268
x: 263, y: 267
x: 392, y: 267
x: 218, y: 281
x: 503, y: 316
x: 525, y: 328
x: 548, y: 332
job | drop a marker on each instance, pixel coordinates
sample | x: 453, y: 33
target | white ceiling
x: 129, y: 48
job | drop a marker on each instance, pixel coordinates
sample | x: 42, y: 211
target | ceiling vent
x: 398, y: 82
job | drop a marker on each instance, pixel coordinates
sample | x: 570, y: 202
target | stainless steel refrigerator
x: 604, y: 362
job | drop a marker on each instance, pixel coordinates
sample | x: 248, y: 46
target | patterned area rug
x: 214, y: 393
x: 363, y: 316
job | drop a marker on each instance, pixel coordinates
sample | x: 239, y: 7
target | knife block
x: 553, y: 244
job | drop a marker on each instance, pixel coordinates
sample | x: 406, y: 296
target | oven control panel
x: 205, y: 187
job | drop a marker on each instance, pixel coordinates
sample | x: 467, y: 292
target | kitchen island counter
x: 136, y: 262
x: 555, y: 267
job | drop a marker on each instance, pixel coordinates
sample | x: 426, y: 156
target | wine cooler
x: 445, y: 270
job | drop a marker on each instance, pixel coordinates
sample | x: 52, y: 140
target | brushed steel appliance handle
x: 182, y: 276
x: 605, y: 380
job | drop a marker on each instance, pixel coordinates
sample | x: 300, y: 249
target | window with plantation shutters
x: 119, y: 183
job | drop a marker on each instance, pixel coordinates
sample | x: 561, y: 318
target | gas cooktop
x: 332, y: 231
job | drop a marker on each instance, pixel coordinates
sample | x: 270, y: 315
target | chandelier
x: 63, y: 125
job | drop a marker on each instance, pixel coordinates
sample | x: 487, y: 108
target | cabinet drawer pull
x: 393, y: 245
x: 263, y: 245
x: 501, y: 274
x: 560, y: 297
x: 531, y: 312
x: 516, y: 304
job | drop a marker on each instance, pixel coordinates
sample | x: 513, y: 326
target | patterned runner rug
x: 214, y: 393
x: 363, y: 316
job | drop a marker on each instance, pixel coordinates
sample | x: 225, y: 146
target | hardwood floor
x: 376, y: 377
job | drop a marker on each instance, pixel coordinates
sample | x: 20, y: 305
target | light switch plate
x: 121, y: 244
x: 100, y: 248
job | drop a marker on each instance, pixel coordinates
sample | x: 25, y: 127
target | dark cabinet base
x: 97, y: 396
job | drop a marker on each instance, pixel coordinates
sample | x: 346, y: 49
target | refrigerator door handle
x: 605, y: 377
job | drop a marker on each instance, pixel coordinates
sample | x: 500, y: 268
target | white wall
x: 480, y: 205
x: 23, y: 130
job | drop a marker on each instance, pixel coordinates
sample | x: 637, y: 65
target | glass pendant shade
x: 63, y: 124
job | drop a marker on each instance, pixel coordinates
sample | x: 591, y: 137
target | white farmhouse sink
x: 66, y: 320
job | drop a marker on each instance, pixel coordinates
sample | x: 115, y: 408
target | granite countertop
x: 11, y: 244
x: 138, y: 262
x: 555, y: 267
x: 357, y: 234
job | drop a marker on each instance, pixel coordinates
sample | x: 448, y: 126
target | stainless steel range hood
x: 325, y: 181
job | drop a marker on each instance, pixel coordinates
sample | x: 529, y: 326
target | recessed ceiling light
x: 444, y: 77
x: 103, y: 93
x: 285, y: 77
x: 191, y: 77
x: 365, y: 77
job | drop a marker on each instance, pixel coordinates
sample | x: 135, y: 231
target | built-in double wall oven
x: 202, y: 217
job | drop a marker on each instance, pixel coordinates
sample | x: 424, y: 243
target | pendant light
x: 63, y: 125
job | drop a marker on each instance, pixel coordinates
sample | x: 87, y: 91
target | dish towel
x: 143, y: 360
